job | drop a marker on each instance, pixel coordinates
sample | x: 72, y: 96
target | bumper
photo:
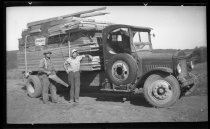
x: 191, y: 79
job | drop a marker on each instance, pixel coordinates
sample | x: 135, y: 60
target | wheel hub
x: 161, y: 90
x: 120, y: 70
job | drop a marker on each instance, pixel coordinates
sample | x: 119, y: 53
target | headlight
x: 179, y: 69
x: 191, y: 65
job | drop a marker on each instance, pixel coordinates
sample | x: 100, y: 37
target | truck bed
x: 58, y: 57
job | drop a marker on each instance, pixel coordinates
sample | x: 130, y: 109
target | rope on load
x: 60, y: 46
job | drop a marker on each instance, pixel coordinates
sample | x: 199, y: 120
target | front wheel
x: 161, y: 91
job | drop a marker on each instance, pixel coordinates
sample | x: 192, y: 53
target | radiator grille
x: 183, y: 64
x: 152, y: 66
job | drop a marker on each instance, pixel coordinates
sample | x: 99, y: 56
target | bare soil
x: 98, y: 107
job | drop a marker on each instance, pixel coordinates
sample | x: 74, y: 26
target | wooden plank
x: 25, y: 32
x: 63, y: 49
x: 37, y: 61
x: 64, y: 16
x: 35, y: 27
x: 83, y: 12
x: 86, y: 20
x: 61, y: 21
x: 59, y: 68
x: 93, y: 14
x: 81, y: 46
x: 57, y: 58
x: 55, y: 28
x: 54, y: 33
x: 35, y: 31
x: 38, y: 58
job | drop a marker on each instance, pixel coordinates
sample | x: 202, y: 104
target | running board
x: 136, y: 91
x: 115, y: 90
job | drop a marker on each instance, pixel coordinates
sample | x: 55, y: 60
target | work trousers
x: 74, y: 81
x: 46, y: 86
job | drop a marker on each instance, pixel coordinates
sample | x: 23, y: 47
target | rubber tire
x: 131, y: 62
x: 175, y: 89
x: 37, y: 86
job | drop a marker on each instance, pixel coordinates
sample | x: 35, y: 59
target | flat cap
x: 74, y: 50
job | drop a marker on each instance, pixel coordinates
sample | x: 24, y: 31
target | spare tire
x: 34, y: 86
x: 122, y: 69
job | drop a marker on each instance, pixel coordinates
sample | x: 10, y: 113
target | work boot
x: 71, y: 101
x: 54, y: 98
x: 46, y: 102
x: 76, y: 101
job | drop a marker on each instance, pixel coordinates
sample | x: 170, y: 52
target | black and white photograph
x: 106, y: 64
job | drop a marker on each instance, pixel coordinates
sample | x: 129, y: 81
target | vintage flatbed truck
x: 123, y: 60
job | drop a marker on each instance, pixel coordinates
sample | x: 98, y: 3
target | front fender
x: 163, y: 69
x: 142, y: 78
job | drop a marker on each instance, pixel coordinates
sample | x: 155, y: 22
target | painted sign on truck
x: 40, y: 41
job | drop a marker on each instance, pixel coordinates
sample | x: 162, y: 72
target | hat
x: 48, y: 52
x: 74, y: 50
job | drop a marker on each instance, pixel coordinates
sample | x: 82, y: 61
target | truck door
x: 115, y: 41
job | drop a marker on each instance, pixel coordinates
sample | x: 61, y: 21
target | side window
x: 118, y: 41
x: 114, y: 38
x: 144, y: 36
x: 140, y: 37
x: 119, y: 38
x: 141, y: 40
x: 136, y: 38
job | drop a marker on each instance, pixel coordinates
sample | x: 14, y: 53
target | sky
x: 175, y: 27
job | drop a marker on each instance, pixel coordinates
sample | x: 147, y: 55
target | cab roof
x: 130, y: 26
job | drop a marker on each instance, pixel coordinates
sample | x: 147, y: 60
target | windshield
x: 141, y: 40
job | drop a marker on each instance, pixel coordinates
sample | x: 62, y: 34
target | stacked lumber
x: 59, y: 55
x: 54, y: 34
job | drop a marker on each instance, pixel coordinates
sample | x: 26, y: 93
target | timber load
x: 60, y: 35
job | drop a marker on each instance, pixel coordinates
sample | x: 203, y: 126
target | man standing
x: 46, y: 69
x: 72, y: 67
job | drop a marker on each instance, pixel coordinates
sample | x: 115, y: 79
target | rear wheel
x: 161, y: 91
x: 33, y: 86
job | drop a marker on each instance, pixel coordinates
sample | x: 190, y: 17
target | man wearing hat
x: 46, y: 69
x: 72, y: 67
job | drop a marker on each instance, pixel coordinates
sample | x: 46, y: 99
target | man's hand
x: 54, y: 72
x: 48, y: 72
x: 67, y: 71
x: 89, y: 56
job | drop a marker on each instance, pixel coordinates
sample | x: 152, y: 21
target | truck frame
x: 124, y: 60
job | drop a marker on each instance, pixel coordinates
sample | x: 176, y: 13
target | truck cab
x: 130, y: 62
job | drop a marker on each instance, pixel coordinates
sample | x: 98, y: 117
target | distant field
x: 11, y: 60
x: 200, y: 71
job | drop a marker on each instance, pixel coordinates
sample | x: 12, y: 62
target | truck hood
x: 154, y: 55
x: 161, y: 55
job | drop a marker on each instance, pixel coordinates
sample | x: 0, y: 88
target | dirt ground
x: 99, y: 107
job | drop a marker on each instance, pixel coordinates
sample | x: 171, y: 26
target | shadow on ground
x: 95, y: 92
